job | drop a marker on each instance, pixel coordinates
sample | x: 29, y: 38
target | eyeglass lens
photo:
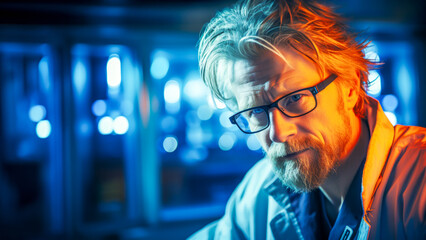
x: 257, y: 119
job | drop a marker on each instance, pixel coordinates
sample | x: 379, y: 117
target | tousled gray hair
x: 251, y: 27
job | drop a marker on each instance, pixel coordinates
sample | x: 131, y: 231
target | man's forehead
x: 259, y: 71
x: 274, y: 69
x: 262, y: 80
x: 267, y: 75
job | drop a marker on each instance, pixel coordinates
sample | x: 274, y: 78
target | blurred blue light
x: 375, y: 84
x: 25, y: 149
x: 372, y: 56
x: 114, y: 71
x: 121, y: 125
x: 204, y: 112
x: 224, y: 119
x: 252, y: 143
x: 172, y: 96
x: 126, y: 107
x: 172, y: 91
x: 371, y: 53
x: 99, y: 107
x: 79, y: 76
x: 194, y: 136
x: 135, y: 233
x: 392, y: 117
x: 84, y: 127
x: 227, y: 141
x: 106, y: 125
x: 195, y: 90
x: 37, y: 113
x: 191, y: 119
x: 390, y: 103
x: 405, y: 81
x: 172, y: 108
x: 43, y: 129
x: 159, y: 67
x: 168, y: 124
x: 193, y: 155
x: 43, y: 68
x: 170, y: 144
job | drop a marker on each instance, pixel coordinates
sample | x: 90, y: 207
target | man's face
x: 302, y: 150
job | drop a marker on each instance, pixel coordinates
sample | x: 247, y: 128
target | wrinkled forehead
x: 255, y: 81
x: 255, y: 73
x: 262, y: 80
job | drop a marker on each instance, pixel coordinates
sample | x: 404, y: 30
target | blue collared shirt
x: 310, y: 212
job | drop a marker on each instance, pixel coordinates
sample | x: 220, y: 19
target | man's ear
x: 351, y: 93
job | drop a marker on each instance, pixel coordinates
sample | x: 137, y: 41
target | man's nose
x: 281, y: 127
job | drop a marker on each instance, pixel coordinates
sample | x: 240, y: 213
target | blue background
x: 107, y: 131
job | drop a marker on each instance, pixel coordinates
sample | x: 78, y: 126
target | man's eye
x: 255, y: 112
x: 295, y: 98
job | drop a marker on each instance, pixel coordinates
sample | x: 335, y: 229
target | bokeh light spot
x: 99, y: 107
x: 106, y: 125
x: 43, y: 129
x: 170, y: 144
x: 227, y: 141
x: 37, y: 113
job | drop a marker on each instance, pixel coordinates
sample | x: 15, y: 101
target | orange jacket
x: 394, y: 178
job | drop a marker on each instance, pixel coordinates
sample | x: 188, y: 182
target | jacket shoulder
x: 407, y: 158
x: 404, y: 209
x: 410, y: 137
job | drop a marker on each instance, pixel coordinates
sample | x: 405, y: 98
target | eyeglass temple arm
x: 325, y: 83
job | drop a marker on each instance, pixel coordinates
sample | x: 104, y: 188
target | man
x: 335, y: 167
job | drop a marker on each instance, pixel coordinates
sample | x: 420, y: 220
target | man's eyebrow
x: 274, y: 87
x: 250, y: 99
x: 258, y: 87
x: 275, y: 80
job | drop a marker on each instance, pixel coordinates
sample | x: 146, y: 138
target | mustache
x: 277, y: 150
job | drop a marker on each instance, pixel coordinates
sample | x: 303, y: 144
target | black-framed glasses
x: 295, y: 104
